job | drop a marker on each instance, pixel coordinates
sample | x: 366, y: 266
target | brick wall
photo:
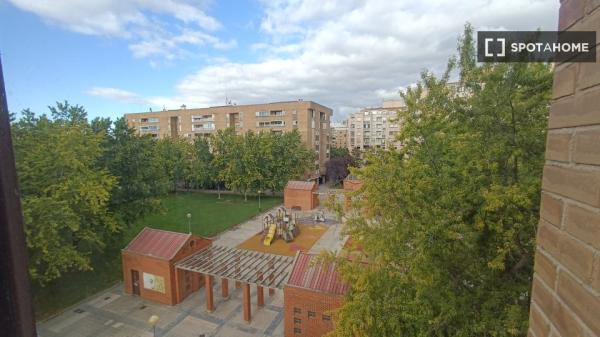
x: 566, y: 284
x: 304, y: 199
x: 308, y: 300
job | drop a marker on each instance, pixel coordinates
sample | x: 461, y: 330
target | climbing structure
x: 282, y: 225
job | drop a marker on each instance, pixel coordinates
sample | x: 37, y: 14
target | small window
x: 326, y: 318
x: 311, y: 314
x: 297, y: 311
x: 297, y: 331
x: 297, y: 320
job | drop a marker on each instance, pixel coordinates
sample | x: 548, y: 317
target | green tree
x: 139, y: 167
x: 65, y: 195
x: 448, y: 221
x: 202, y: 173
x: 339, y: 152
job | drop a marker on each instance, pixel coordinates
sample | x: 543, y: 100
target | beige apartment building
x: 311, y: 119
x: 339, y: 136
x: 374, y: 127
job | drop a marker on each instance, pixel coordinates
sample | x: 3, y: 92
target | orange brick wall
x: 566, y: 283
x: 150, y: 265
x: 306, y: 200
x: 308, y: 300
x: 175, y: 285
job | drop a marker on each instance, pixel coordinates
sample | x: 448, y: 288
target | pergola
x: 242, y: 266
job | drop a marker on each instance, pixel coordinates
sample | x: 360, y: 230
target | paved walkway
x: 114, y: 313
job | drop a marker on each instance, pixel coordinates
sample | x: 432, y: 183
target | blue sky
x: 117, y: 56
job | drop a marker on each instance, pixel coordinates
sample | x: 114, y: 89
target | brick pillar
x: 208, y: 290
x: 224, y: 287
x: 246, y: 304
x: 260, y: 297
x: 565, y: 299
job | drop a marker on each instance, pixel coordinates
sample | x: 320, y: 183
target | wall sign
x: 154, y: 282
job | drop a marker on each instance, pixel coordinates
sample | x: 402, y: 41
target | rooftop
x: 320, y: 277
x: 301, y: 185
x: 157, y: 243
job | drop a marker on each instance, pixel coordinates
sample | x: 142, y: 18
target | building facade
x: 148, y: 265
x: 565, y: 296
x: 374, y: 127
x: 339, y: 136
x: 312, y: 294
x: 311, y: 119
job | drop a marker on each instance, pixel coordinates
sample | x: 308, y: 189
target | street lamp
x: 189, y: 217
x: 259, y: 209
x: 153, y: 320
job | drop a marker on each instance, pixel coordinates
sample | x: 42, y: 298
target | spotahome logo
x: 536, y: 46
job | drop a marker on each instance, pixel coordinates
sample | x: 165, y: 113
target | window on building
x: 297, y: 331
x: 326, y: 317
x: 262, y: 113
x: 297, y: 310
x: 297, y: 320
x: 144, y: 120
x: 312, y: 314
x: 149, y: 128
x: 264, y: 124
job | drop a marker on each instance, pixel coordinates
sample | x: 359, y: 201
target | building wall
x: 308, y: 300
x: 339, y: 137
x: 373, y: 127
x: 176, y: 287
x: 312, y: 120
x: 304, y: 199
x: 566, y: 282
x: 151, y: 265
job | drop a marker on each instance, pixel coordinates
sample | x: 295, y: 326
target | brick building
x: 374, y: 127
x: 312, y: 120
x: 339, y: 137
x: 301, y: 194
x: 566, y: 283
x: 312, y: 293
x: 148, y: 265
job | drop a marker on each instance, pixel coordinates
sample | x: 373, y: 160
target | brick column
x: 565, y: 298
x: 224, y: 288
x: 246, y: 304
x: 260, y: 297
x: 208, y: 290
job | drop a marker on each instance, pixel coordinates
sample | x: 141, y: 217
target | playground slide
x: 270, y: 235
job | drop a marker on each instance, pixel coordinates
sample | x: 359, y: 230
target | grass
x: 210, y: 216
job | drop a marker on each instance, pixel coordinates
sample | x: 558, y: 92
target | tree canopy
x: 448, y: 221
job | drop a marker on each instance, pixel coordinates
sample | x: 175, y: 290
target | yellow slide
x: 270, y: 235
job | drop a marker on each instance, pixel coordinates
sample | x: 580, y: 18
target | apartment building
x: 311, y: 119
x: 339, y: 136
x: 374, y: 127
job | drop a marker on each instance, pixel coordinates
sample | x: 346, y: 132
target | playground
x: 308, y: 236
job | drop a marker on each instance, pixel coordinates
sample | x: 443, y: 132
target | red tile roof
x: 320, y: 277
x: 157, y: 243
x: 301, y: 185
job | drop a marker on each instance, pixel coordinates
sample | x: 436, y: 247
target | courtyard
x: 111, y: 312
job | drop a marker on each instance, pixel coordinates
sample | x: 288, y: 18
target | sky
x: 119, y: 56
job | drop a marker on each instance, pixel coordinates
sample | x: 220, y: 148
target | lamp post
x: 189, y: 217
x: 153, y: 320
x: 259, y: 208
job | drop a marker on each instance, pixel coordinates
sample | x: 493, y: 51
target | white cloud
x: 349, y: 53
x: 145, y: 23
x: 118, y: 95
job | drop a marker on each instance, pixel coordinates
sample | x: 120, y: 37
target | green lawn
x: 210, y: 216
